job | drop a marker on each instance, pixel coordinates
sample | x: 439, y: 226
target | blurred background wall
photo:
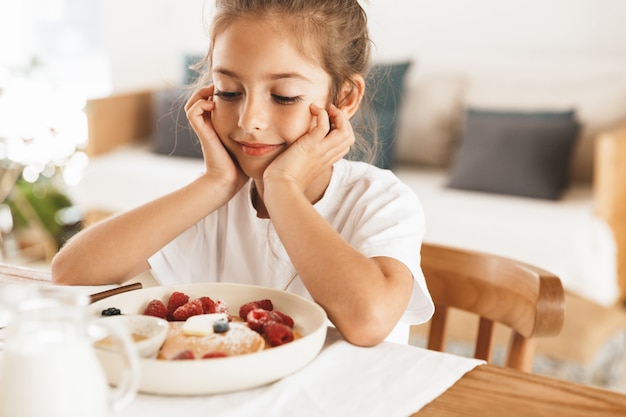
x: 144, y: 40
x: 117, y: 45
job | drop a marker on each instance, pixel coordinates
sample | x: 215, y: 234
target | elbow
x: 363, y: 339
x: 367, y: 330
x: 60, y: 271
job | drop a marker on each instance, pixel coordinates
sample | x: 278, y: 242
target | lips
x: 258, y: 149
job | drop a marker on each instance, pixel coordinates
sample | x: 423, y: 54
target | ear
x: 351, y: 95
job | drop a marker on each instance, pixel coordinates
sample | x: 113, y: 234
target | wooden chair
x: 526, y: 299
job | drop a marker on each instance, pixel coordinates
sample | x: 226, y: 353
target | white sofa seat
x: 563, y: 237
x: 130, y: 176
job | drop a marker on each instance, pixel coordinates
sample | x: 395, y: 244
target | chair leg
x: 521, y: 352
x: 437, y: 331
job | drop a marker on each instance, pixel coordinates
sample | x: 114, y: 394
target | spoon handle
x: 114, y: 291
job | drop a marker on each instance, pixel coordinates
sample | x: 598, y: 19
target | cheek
x: 295, y: 123
x: 221, y: 121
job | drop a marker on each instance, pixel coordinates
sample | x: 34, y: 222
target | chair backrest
x: 524, y: 298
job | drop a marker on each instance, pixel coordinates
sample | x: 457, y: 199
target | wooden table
x: 483, y: 392
x: 494, y: 391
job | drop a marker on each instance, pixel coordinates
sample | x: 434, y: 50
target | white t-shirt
x: 369, y: 207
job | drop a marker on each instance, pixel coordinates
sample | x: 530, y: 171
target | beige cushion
x: 430, y: 119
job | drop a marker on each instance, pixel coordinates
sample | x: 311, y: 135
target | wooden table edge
x: 490, y: 390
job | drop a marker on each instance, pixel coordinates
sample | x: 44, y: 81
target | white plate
x: 212, y: 376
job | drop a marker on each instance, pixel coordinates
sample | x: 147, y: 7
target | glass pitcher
x: 48, y: 366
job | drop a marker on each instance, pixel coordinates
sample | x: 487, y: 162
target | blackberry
x: 111, y: 311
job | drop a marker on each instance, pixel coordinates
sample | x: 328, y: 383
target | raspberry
x: 256, y: 318
x: 185, y: 354
x: 264, y: 304
x: 221, y: 307
x: 212, y: 355
x: 208, y: 305
x: 280, y: 317
x: 156, y: 308
x: 277, y: 334
x: 176, y: 300
x: 192, y: 308
x: 246, y: 308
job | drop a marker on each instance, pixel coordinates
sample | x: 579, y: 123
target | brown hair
x: 333, y: 32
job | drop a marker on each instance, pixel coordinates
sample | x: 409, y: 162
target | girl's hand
x: 315, y: 152
x: 220, y: 166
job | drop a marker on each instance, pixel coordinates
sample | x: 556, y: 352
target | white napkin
x: 344, y: 380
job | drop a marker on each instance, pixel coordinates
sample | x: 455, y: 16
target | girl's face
x: 263, y: 91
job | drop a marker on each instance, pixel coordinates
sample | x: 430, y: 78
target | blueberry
x: 221, y: 326
x: 111, y: 311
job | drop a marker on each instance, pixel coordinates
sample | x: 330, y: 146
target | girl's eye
x: 283, y: 100
x: 227, y: 95
x: 286, y: 100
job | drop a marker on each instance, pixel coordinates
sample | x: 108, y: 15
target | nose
x: 254, y: 114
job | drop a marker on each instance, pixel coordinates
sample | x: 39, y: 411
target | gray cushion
x: 173, y: 135
x: 525, y: 154
x: 384, y: 90
x: 388, y: 83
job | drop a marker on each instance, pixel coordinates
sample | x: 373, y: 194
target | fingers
x: 333, y: 118
x: 341, y: 131
x: 337, y: 117
x: 204, y: 93
x: 199, y: 106
x: 199, y: 116
x: 198, y: 110
x: 332, y: 134
x: 322, y: 120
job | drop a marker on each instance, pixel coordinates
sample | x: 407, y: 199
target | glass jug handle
x: 127, y: 384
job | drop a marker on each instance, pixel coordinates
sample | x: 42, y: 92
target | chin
x: 253, y: 169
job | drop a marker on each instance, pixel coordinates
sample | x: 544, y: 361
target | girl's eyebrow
x: 288, y: 75
x: 225, y: 72
x: 272, y: 77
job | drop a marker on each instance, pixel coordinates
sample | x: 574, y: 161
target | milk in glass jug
x: 48, y: 366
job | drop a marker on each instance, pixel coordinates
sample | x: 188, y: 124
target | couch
x: 140, y: 147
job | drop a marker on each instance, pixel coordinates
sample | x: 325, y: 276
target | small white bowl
x: 150, y: 332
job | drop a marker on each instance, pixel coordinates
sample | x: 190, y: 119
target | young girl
x: 278, y: 205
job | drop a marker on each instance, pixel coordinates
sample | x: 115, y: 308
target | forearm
x: 118, y: 248
x: 363, y: 297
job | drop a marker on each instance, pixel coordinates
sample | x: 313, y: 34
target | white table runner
x: 344, y: 380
